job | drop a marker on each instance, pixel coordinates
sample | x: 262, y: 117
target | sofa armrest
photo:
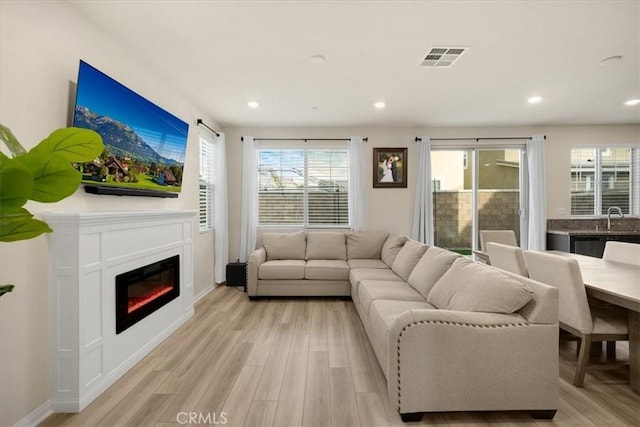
x: 257, y: 257
x: 443, y: 360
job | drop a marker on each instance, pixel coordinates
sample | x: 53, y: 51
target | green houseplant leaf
x: 75, y: 144
x: 16, y: 184
x: 54, y: 178
x: 11, y: 141
x: 5, y: 289
x: 27, y: 228
x: 44, y: 174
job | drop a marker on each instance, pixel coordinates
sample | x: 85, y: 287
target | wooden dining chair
x: 628, y: 253
x: 509, y: 258
x: 589, y: 324
x: 506, y: 237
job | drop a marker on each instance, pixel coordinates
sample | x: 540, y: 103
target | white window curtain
x: 422, y: 229
x: 358, y: 183
x: 249, y: 211
x: 537, y: 194
x: 220, y: 217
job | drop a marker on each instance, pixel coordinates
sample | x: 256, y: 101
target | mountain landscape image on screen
x: 127, y: 161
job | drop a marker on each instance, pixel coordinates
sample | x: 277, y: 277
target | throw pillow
x: 326, y: 245
x: 365, y: 245
x: 391, y: 247
x: 471, y: 286
x: 407, y: 258
x: 433, y: 264
x: 284, y: 245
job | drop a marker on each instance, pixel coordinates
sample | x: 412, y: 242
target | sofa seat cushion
x: 367, y: 263
x: 431, y: 267
x: 365, y: 245
x: 407, y: 258
x: 326, y: 269
x: 358, y: 274
x: 471, y: 286
x: 381, y: 316
x: 371, y: 290
x: 288, y: 269
x: 284, y: 245
x: 326, y: 245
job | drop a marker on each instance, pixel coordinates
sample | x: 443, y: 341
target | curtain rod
x: 419, y: 139
x: 365, y: 139
x: 200, y: 122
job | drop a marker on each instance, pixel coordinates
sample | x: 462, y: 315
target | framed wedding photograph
x: 390, y: 167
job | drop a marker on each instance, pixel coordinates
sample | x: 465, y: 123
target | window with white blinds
x: 206, y: 181
x: 604, y: 177
x: 303, y: 187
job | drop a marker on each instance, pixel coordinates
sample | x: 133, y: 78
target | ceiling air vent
x: 442, y: 57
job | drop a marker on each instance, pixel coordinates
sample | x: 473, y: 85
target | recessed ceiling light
x: 632, y: 102
x: 380, y: 105
x: 318, y: 59
x: 534, y: 99
x: 611, y: 59
x: 253, y: 104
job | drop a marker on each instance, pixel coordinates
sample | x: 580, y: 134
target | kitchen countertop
x: 592, y: 232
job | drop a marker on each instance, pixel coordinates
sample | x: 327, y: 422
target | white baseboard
x: 37, y: 416
x: 204, y: 292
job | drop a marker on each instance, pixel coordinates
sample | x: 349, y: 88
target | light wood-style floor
x: 297, y: 362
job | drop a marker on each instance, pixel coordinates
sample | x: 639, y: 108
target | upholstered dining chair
x: 628, y: 253
x: 506, y: 237
x: 506, y: 257
x: 589, y: 324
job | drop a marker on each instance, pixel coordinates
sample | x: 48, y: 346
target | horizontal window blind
x: 615, y: 182
x: 604, y: 177
x: 206, y: 184
x: 303, y: 187
x: 583, y: 168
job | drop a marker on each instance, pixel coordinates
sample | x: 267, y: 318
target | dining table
x: 619, y: 284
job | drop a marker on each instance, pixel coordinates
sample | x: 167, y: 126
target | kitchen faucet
x: 613, y: 208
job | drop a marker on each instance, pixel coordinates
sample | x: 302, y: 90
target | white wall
x: 41, y: 44
x: 391, y: 208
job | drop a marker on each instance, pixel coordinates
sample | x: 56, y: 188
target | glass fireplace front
x: 144, y: 290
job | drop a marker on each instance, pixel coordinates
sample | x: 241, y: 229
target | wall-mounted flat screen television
x: 145, y: 145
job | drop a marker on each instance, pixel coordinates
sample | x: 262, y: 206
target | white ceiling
x: 222, y: 54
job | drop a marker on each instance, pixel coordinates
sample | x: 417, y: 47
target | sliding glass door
x: 475, y: 189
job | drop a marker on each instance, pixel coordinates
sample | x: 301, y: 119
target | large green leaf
x: 13, y: 214
x: 21, y: 230
x: 53, y: 176
x: 74, y: 144
x: 16, y: 184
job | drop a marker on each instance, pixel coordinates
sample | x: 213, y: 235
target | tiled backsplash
x: 618, y: 224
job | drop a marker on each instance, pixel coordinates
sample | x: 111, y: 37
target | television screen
x: 145, y: 145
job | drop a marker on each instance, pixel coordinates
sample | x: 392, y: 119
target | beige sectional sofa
x: 449, y: 334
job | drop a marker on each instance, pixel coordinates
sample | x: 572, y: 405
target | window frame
x: 596, y: 183
x: 305, y: 204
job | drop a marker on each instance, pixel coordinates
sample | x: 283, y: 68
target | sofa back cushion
x: 326, y: 245
x: 431, y: 267
x: 407, y: 258
x: 284, y: 245
x: 391, y: 247
x: 471, y: 286
x: 365, y: 245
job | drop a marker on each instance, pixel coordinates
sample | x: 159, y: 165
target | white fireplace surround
x: 88, y: 250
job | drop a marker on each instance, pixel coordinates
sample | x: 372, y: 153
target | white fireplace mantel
x: 88, y: 250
